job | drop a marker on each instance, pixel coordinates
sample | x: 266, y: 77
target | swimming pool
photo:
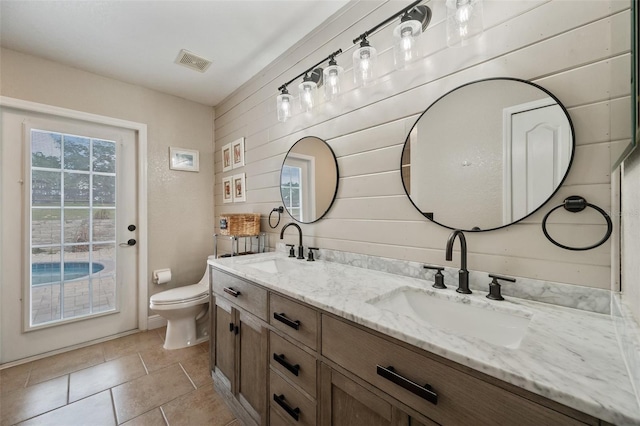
x: 49, y: 272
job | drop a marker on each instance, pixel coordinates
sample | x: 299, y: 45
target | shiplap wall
x: 579, y: 50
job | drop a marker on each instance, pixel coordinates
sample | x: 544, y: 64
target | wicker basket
x: 240, y: 224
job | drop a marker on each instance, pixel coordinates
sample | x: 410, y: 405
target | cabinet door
x: 346, y: 403
x: 252, y: 361
x: 225, y: 341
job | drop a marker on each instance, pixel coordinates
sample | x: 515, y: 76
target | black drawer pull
x: 425, y: 391
x: 283, y: 362
x: 231, y: 327
x: 293, y: 412
x: 283, y: 318
x: 231, y: 291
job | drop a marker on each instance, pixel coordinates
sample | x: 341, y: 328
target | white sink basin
x: 483, y: 320
x: 274, y: 266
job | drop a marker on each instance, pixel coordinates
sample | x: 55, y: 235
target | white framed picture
x: 226, y: 158
x: 184, y: 159
x: 239, y: 189
x: 227, y: 189
x: 237, y: 148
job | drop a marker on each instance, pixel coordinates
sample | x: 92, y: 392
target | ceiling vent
x: 193, y: 61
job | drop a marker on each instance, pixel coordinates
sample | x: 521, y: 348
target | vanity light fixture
x: 364, y: 64
x: 308, y: 89
x: 332, y: 80
x: 465, y: 20
x: 406, y: 48
x: 283, y: 104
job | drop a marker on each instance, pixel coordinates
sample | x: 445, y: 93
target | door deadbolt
x: 131, y: 228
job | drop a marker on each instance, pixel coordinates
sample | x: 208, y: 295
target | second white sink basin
x: 278, y: 265
x: 502, y: 327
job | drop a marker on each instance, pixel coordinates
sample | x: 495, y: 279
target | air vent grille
x: 193, y: 61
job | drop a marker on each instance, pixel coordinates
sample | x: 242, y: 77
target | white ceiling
x: 138, y: 41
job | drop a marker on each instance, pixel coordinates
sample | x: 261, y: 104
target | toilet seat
x: 180, y: 295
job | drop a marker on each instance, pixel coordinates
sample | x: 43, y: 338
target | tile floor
x: 131, y: 380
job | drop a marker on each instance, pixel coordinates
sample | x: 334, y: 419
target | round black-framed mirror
x: 309, y: 179
x: 487, y: 154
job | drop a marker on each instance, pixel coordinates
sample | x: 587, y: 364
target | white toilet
x: 182, y: 307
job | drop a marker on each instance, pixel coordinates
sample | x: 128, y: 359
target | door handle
x: 129, y: 243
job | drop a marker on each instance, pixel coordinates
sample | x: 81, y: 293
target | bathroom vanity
x: 296, y: 342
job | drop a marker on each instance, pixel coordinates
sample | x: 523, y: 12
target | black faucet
x: 463, y: 274
x: 300, y: 248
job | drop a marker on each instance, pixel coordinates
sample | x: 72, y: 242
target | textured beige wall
x: 180, y: 204
x: 578, y: 50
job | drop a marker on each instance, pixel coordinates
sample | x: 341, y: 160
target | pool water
x: 49, y: 272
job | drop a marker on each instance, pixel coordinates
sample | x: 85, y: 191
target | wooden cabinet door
x: 346, y: 403
x: 224, y: 341
x: 252, y: 363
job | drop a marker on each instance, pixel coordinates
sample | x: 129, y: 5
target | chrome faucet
x: 300, y: 248
x: 463, y: 274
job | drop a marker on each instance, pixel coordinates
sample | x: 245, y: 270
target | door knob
x: 130, y: 242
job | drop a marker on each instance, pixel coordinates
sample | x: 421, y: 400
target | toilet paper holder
x: 161, y: 276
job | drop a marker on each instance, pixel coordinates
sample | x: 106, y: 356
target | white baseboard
x: 155, y: 321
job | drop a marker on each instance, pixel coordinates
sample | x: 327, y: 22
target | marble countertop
x: 567, y: 355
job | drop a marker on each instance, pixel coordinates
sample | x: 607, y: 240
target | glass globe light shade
x: 332, y: 82
x: 406, y: 48
x: 364, y: 64
x: 283, y: 106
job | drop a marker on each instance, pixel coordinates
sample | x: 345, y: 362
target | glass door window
x: 290, y: 188
x: 72, y: 270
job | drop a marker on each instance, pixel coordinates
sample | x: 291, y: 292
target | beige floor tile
x: 14, y: 378
x: 131, y: 344
x: 104, y: 376
x: 157, y: 357
x: 68, y: 362
x: 147, y: 392
x: 32, y: 401
x: 197, y: 367
x: 200, y: 407
x: 96, y: 410
x: 150, y: 418
x: 234, y: 423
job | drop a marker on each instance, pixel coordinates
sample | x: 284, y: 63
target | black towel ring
x: 575, y: 204
x: 279, y: 210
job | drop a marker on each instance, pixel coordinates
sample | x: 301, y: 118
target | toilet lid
x: 180, y: 295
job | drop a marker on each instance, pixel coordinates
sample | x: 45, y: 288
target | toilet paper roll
x: 162, y: 276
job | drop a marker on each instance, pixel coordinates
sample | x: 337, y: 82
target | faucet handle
x: 292, y: 252
x: 494, y: 286
x: 310, y: 258
x: 438, y: 277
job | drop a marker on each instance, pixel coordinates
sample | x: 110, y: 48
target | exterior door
x: 71, y: 204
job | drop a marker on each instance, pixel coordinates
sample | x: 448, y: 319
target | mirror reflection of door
x: 535, y: 157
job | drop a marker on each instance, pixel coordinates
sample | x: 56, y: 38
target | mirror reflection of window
x: 290, y: 190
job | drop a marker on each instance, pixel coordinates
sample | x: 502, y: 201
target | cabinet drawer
x: 289, y: 403
x: 294, y: 363
x: 240, y: 292
x: 295, y: 319
x: 459, y: 397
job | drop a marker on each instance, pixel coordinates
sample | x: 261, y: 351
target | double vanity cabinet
x: 280, y: 361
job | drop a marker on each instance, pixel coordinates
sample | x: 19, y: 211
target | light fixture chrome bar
x: 366, y: 34
x: 333, y: 55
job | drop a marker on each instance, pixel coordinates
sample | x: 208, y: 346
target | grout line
x: 187, y: 374
x: 113, y: 406
x: 143, y: 364
x: 164, y: 416
x: 68, y: 388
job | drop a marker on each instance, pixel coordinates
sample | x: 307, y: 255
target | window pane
x: 45, y: 226
x: 45, y: 149
x: 76, y: 153
x: 76, y: 225
x: 45, y: 188
x: 104, y: 190
x: 45, y: 285
x: 295, y: 197
x: 285, y: 178
x: 76, y: 281
x: 286, y: 196
x: 104, y: 225
x: 104, y: 156
x: 104, y: 280
x: 76, y: 189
